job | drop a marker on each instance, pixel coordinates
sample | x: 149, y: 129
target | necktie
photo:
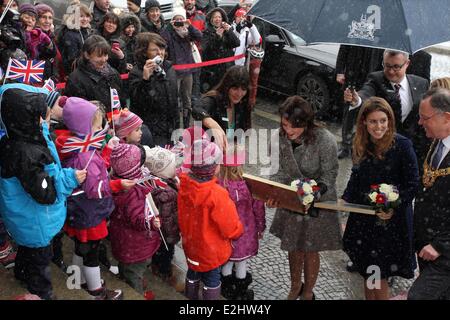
x: 397, y: 87
x: 397, y: 107
x: 438, y: 155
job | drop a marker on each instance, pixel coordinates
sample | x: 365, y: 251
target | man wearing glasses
x: 432, y: 206
x: 402, y: 91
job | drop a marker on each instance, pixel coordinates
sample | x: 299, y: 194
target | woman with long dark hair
x: 306, y: 150
x: 380, y: 155
x: 224, y: 108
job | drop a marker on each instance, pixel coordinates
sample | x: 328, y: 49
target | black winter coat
x: 432, y: 216
x: 148, y: 26
x: 119, y: 64
x: 215, y: 47
x: 180, y: 49
x: 87, y: 83
x: 156, y: 101
x: 24, y: 152
x: 357, y: 62
x: 70, y: 43
x: 216, y: 108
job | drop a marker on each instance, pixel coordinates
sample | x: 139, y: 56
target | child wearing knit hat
x: 89, y: 207
x: 133, y: 227
x: 129, y: 127
x: 208, y: 220
x: 161, y: 162
x: 252, y: 215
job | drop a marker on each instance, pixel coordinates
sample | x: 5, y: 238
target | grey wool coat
x: 316, y: 160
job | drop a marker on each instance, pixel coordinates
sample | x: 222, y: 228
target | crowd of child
x: 95, y: 183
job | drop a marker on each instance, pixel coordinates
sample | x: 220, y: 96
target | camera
x: 159, y: 72
x: 178, y: 23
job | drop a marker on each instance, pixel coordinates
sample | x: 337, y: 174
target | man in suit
x: 353, y: 64
x: 402, y: 91
x: 420, y: 64
x: 432, y: 206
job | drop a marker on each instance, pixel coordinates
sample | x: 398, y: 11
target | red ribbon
x: 124, y: 76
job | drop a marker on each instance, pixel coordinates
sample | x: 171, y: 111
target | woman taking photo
x: 153, y: 88
x: 224, y: 109
x: 381, y: 156
x: 109, y: 29
x: 306, y: 150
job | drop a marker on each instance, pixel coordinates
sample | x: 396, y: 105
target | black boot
x: 242, y: 291
x: 229, y: 287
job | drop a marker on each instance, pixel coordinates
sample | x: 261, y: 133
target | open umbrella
x: 405, y: 25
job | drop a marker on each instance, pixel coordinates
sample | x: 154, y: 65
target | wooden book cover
x: 264, y: 189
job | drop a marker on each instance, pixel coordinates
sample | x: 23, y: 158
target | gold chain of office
x: 430, y: 175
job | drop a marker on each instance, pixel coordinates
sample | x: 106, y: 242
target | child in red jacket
x: 208, y: 221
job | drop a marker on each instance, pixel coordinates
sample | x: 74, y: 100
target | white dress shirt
x: 405, y: 98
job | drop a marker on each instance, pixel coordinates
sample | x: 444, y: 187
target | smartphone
x: 115, y: 46
x: 178, y: 23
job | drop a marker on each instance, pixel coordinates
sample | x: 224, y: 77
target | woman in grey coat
x: 306, y: 150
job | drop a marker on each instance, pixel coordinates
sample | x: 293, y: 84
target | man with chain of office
x: 432, y: 205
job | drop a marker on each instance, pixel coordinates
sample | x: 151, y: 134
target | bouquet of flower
x: 384, y: 198
x: 307, y: 190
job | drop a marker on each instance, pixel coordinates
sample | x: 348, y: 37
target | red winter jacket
x: 208, y: 222
x: 131, y: 241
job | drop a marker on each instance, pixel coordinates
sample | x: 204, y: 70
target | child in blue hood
x: 33, y: 185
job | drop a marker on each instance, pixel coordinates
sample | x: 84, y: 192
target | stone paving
x: 270, y: 267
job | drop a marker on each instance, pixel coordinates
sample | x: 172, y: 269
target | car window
x: 298, y: 41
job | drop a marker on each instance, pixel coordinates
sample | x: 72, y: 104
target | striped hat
x: 126, y: 161
x: 51, y: 98
x: 205, y: 157
x: 127, y: 122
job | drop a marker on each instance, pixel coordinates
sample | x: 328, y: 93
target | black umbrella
x: 405, y: 25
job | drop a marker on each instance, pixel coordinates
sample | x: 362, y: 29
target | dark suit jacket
x: 357, y: 62
x: 432, y: 215
x: 420, y: 64
x: 378, y: 86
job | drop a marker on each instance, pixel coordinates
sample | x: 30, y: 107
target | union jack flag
x: 115, y: 105
x: 92, y: 141
x: 26, y: 71
x: 152, y: 182
x: 49, y: 84
x: 177, y: 148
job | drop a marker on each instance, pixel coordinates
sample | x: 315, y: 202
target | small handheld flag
x: 25, y: 71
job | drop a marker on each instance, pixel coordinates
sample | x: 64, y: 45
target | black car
x: 290, y: 67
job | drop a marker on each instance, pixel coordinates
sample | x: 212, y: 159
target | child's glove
x: 113, y: 142
x: 156, y: 223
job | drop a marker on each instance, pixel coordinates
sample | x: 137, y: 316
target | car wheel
x: 314, y: 90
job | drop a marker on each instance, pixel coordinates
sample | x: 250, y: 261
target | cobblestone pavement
x: 270, y: 267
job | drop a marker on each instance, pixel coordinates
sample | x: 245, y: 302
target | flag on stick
x: 25, y: 71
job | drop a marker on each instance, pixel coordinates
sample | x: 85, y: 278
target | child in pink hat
x: 133, y: 228
x: 128, y: 127
x: 252, y: 215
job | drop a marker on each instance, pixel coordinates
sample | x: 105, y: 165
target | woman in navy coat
x: 381, y: 249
